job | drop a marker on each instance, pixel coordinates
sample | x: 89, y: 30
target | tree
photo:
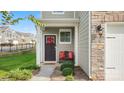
x: 8, y: 18
x: 36, y: 21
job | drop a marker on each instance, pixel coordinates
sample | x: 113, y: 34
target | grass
x: 16, y: 61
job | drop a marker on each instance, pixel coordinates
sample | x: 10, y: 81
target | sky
x: 25, y: 25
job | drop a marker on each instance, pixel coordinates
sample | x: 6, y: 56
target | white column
x: 38, y: 46
x: 76, y: 45
x: 41, y: 46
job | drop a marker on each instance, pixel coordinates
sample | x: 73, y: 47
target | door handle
x: 110, y: 68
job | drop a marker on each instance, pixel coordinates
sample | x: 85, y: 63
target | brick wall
x: 97, y: 51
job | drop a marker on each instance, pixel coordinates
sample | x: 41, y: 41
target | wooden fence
x: 11, y: 48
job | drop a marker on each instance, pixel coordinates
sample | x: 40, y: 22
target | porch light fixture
x: 99, y: 30
x: 43, y: 27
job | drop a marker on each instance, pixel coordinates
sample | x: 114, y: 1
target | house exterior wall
x: 67, y: 14
x: 97, y: 50
x: 60, y: 47
x: 83, y: 44
x: 11, y: 36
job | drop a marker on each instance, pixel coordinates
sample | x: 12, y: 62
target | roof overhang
x: 60, y: 22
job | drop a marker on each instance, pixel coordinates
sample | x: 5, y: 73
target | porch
x: 78, y: 43
x: 47, y: 53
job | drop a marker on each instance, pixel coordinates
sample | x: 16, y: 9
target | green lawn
x: 17, y: 60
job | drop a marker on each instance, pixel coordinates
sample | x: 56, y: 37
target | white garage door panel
x: 114, y: 54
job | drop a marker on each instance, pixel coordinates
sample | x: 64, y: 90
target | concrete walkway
x: 45, y: 73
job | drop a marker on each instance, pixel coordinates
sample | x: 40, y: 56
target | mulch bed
x: 35, y: 72
x: 79, y: 75
x: 57, y: 75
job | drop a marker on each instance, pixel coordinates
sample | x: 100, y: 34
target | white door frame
x: 105, y: 26
x: 105, y: 50
x: 44, y: 49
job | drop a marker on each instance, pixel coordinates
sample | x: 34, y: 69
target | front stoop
x: 45, y: 72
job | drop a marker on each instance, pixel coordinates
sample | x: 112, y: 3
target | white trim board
x: 90, y: 69
x: 76, y: 45
x: 60, y: 21
x: 105, y: 27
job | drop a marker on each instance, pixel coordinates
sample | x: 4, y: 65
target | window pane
x: 65, y: 36
x: 62, y: 35
x: 67, y: 39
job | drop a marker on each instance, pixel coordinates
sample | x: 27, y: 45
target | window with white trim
x: 65, y: 36
x: 57, y: 12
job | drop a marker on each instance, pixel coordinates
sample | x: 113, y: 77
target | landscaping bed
x: 36, y: 71
x: 79, y: 75
x: 65, y: 71
x: 57, y: 75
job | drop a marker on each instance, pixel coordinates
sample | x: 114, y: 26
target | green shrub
x: 3, y: 74
x: 66, y: 64
x: 20, y: 74
x: 69, y: 78
x: 30, y: 67
x: 67, y: 71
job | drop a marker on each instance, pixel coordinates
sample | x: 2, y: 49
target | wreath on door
x: 50, y: 40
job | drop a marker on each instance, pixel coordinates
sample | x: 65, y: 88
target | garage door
x: 114, y: 52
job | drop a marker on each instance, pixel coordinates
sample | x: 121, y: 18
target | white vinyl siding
x: 83, y: 43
